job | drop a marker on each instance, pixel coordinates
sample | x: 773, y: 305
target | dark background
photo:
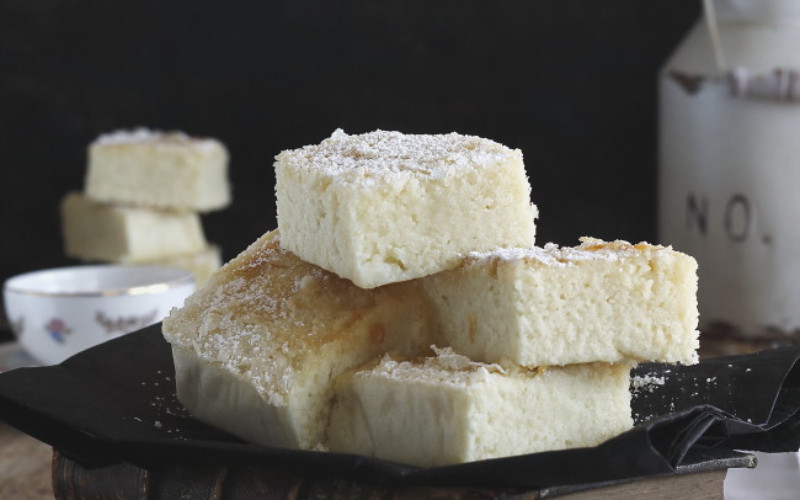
x: 572, y: 83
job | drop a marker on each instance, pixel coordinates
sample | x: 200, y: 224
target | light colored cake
x: 107, y: 232
x: 157, y: 169
x: 448, y: 409
x: 201, y: 264
x: 383, y: 207
x: 555, y: 306
x: 258, y: 348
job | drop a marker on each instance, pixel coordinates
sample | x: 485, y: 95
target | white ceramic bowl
x: 56, y: 313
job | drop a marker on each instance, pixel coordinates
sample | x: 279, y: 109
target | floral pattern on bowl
x: 58, y: 330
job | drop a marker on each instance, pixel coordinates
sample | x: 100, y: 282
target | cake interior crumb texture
x: 596, y: 302
x: 158, y: 169
x: 383, y: 207
x: 448, y: 409
x: 273, y: 332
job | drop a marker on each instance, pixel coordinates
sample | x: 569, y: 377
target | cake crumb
x: 646, y: 382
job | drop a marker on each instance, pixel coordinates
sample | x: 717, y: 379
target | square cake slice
x: 447, y: 409
x: 158, y: 169
x: 383, y: 207
x: 108, y: 232
x: 598, y: 301
x: 258, y: 348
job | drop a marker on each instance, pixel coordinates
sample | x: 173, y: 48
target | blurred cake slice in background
x: 202, y: 264
x: 143, y: 193
x: 157, y: 169
x: 108, y: 232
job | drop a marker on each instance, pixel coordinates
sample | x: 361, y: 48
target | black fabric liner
x: 116, y: 402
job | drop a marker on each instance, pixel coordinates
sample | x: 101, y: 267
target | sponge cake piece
x: 555, y: 306
x: 448, y: 409
x: 258, y: 348
x: 108, y: 232
x: 383, y: 207
x: 157, y: 169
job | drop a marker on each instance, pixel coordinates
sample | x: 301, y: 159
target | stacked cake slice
x: 385, y: 207
x: 449, y: 409
x: 403, y: 312
x: 143, y: 194
x: 598, y: 301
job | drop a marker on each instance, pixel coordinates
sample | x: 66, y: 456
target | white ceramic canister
x: 729, y: 173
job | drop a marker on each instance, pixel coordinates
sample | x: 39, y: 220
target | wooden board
x: 25, y: 466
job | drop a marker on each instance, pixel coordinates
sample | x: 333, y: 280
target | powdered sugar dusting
x: 266, y: 312
x: 372, y: 155
x: 164, y: 412
x: 143, y: 135
x: 556, y: 256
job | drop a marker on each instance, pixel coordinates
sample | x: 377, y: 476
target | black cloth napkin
x: 116, y: 402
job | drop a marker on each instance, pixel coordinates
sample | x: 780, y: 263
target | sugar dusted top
x: 554, y: 255
x: 380, y: 153
x: 266, y: 314
x: 147, y: 136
